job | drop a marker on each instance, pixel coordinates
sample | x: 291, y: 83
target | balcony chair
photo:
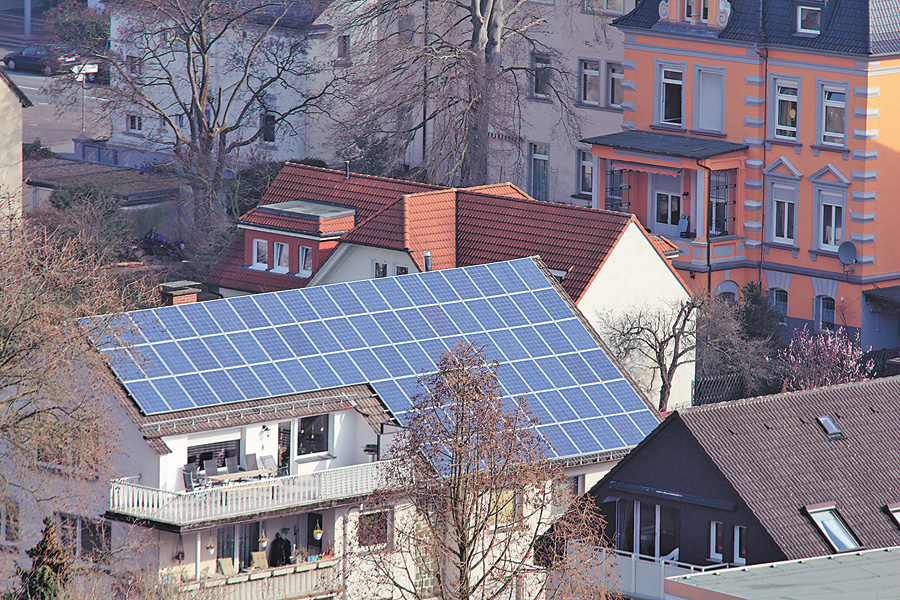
x: 198, y: 479
x: 211, y: 467
x: 226, y: 566
x: 231, y: 463
x: 250, y: 462
x: 268, y: 462
x: 188, y: 481
x: 259, y: 560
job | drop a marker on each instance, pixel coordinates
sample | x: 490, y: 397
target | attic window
x: 894, y: 509
x: 831, y: 428
x: 808, y: 19
x: 832, y: 526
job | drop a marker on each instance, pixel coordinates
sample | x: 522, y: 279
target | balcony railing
x: 640, y: 576
x: 252, y: 497
x: 279, y: 583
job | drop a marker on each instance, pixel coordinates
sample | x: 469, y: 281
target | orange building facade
x: 760, y: 138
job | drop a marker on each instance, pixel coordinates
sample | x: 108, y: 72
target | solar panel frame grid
x: 386, y: 331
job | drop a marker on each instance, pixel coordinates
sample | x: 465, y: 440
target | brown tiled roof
x: 230, y: 273
x: 664, y: 246
x: 779, y: 459
x: 382, y: 229
x: 126, y: 181
x: 431, y: 225
x: 569, y: 238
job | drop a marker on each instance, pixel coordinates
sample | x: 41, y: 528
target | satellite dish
x: 847, y: 253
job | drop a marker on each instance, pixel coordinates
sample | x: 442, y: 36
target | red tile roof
x: 230, y: 273
x: 291, y: 223
x: 664, y: 246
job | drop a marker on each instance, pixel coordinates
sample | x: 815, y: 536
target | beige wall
x: 635, y: 276
x: 10, y: 155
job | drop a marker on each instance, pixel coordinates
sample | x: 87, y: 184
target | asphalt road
x: 55, y: 117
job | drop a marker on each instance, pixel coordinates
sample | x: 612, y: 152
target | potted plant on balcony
x: 263, y: 542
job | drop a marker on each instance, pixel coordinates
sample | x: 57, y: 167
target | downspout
x: 765, y: 64
x: 708, y: 212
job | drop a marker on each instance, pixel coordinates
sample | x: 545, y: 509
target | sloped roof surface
x: 385, y: 333
x: 229, y: 272
x: 868, y: 27
x: 779, y: 459
x: 668, y: 144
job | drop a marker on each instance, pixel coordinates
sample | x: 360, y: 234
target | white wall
x: 636, y: 275
x: 10, y: 154
x: 352, y: 262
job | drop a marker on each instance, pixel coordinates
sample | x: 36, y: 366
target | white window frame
x: 837, y: 201
x: 824, y: 105
x: 280, y: 253
x: 689, y: 10
x: 664, y: 77
x: 800, y: 11
x: 379, y: 265
x: 539, y: 153
x: 134, y: 123
x: 701, y: 103
x: 541, y: 76
x: 833, y: 528
x: 585, y: 71
x: 779, y: 83
x: 304, y: 258
x: 825, y: 306
x: 585, y: 172
x: 397, y: 269
x: 780, y: 305
x: 615, y: 77
x: 716, y: 529
x: 597, y: 7
x: 788, y: 216
x: 740, y: 534
x: 254, y: 254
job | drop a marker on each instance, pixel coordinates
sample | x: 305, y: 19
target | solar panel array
x: 386, y: 332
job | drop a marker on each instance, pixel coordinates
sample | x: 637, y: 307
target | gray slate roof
x: 778, y: 459
x: 867, y: 27
x: 667, y: 144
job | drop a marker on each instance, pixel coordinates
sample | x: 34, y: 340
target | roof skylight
x: 830, y: 427
x: 833, y: 527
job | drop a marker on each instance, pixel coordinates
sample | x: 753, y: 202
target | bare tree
x: 472, y: 490
x: 454, y: 78
x: 213, y: 83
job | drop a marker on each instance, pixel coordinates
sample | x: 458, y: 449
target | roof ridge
x: 364, y: 175
x: 530, y: 200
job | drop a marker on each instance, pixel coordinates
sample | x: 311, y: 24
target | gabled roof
x: 196, y: 361
x: 20, y: 95
x: 778, y: 458
x: 866, y: 27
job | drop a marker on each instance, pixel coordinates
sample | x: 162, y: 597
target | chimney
x: 427, y: 256
x: 346, y: 170
x: 179, y: 292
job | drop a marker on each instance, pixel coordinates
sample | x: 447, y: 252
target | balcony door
x: 666, y: 204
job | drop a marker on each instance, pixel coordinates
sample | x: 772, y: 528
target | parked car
x: 43, y: 59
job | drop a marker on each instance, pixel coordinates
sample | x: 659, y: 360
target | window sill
x: 839, y: 149
x: 581, y: 196
x: 280, y: 270
x: 258, y: 267
x: 783, y: 142
x: 543, y: 99
x: 707, y: 133
x: 819, y: 252
x: 665, y: 127
x: 780, y: 245
x: 308, y: 458
x: 609, y: 109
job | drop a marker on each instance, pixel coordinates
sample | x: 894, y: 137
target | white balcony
x: 643, y: 577
x: 128, y: 499
x: 280, y: 583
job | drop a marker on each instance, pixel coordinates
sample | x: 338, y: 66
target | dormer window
x: 260, y: 254
x: 808, y: 19
x: 281, y: 258
x: 701, y: 5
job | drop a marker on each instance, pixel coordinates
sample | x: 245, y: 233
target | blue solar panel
x: 346, y: 299
x: 322, y: 303
x: 175, y: 322
x: 345, y: 334
x: 274, y: 309
x: 297, y: 340
x: 485, y: 281
x: 200, y: 319
x: 173, y: 358
x: 248, y: 347
x: 392, y: 326
x: 390, y: 290
x: 369, y: 330
x: 150, y: 326
x: 248, y: 311
x: 507, y: 277
x: 321, y: 337
x: 272, y: 378
x: 273, y: 343
x: 199, y: 354
x: 438, y: 286
x: 225, y: 316
x: 225, y: 388
x: 461, y: 283
x: 345, y: 368
x: 111, y: 331
x: 386, y: 332
x: 294, y: 301
x: 368, y: 295
x: 198, y: 390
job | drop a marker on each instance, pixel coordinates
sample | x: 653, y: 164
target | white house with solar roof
x: 267, y: 417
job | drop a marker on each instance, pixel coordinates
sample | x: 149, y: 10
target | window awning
x: 671, y: 172
x: 666, y: 144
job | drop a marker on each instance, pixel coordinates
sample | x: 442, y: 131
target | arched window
x: 824, y: 313
x: 779, y: 299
